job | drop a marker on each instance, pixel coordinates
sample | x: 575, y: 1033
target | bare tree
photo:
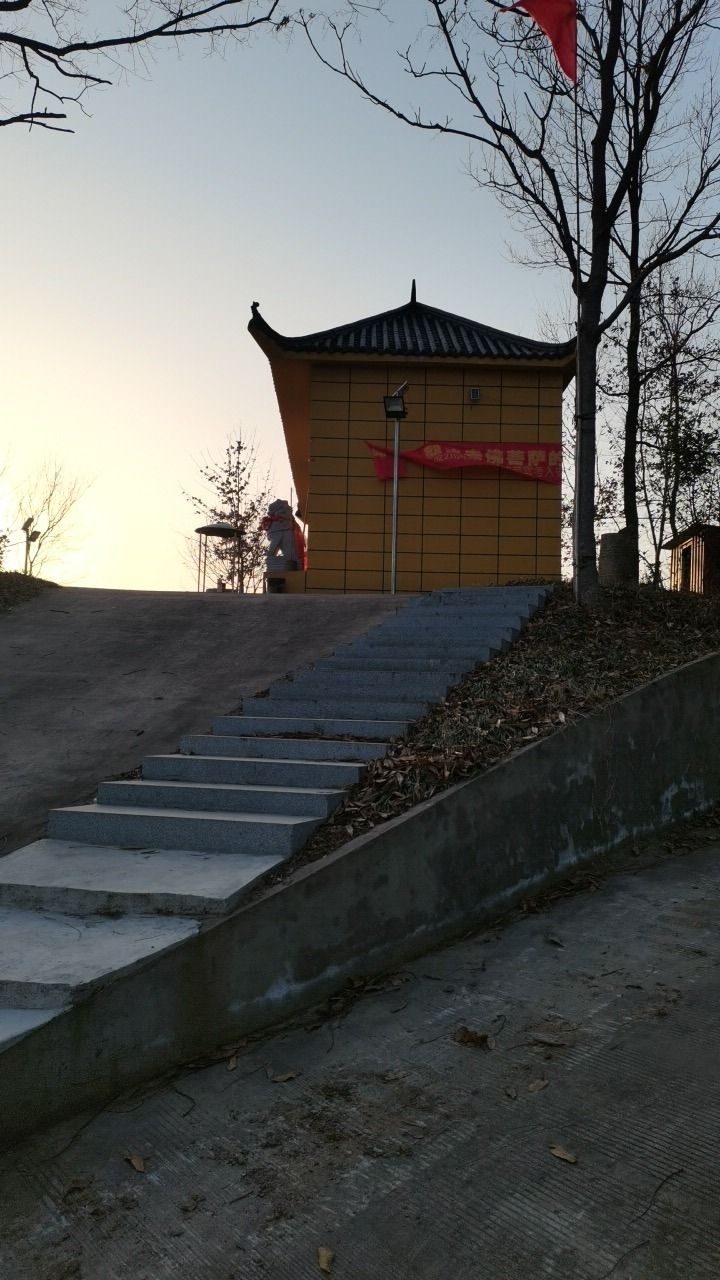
x: 647, y: 160
x: 51, y: 54
x: 678, y: 454
x: 44, y: 507
x: 237, y: 496
x: 674, y: 345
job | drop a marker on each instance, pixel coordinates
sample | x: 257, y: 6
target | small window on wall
x: 685, y: 567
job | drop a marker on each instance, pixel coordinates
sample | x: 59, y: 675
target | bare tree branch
x: 43, y: 49
x: 45, y: 504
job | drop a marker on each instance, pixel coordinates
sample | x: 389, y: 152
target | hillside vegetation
x: 17, y: 588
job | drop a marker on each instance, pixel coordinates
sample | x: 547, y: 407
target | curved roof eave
x: 413, y: 331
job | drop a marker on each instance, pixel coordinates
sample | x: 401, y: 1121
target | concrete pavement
x: 570, y: 1131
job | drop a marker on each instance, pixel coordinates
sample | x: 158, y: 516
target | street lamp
x: 29, y: 538
x: 395, y: 410
x: 220, y: 529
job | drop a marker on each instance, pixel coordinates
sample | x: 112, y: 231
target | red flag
x: 558, y: 19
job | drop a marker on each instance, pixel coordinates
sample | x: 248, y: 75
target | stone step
x: 342, y: 664
x: 281, y: 750
x: 487, y: 596
x: 431, y: 625
x: 48, y: 959
x: 362, y: 683
x: 483, y: 615
x: 380, y: 730
x: 345, y: 706
x: 82, y: 879
x: 458, y: 658
x: 426, y: 644
x: 492, y: 604
x: 458, y: 616
x: 260, y: 769
x: 255, y: 834
x: 420, y: 634
x: 219, y: 797
x: 366, y: 662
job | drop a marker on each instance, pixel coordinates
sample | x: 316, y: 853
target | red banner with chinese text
x: 536, y: 461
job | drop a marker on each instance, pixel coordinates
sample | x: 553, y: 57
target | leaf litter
x: 560, y: 1153
x: 326, y: 1257
x: 474, y: 1039
x: 567, y: 663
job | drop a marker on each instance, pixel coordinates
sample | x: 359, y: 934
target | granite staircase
x: 139, y: 871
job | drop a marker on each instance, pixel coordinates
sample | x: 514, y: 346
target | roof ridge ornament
x: 413, y: 293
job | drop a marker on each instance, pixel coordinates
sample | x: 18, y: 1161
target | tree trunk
x: 585, y: 564
x: 632, y: 415
x: 674, y: 442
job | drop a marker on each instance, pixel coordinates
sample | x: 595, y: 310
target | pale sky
x: 134, y: 248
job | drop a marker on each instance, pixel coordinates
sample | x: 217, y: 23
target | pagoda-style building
x: 479, y: 494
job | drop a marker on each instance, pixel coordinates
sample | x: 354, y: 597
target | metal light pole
x: 395, y: 410
x: 29, y: 538
x: 221, y: 529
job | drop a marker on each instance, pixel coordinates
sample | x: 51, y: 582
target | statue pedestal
x: 285, y: 582
x: 285, y: 558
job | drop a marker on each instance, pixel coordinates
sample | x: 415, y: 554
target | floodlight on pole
x: 29, y: 538
x: 395, y: 410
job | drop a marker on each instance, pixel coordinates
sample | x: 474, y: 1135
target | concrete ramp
x: 132, y: 878
x: 92, y: 681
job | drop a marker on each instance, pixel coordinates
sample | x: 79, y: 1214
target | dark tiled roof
x: 414, y: 330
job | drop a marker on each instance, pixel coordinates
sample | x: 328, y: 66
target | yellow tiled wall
x: 468, y: 527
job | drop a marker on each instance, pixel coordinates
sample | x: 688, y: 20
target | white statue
x: 286, y: 544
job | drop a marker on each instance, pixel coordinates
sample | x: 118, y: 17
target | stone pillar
x: 617, y: 559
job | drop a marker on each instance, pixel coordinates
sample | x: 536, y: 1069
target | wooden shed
x: 481, y: 449
x: 695, y: 559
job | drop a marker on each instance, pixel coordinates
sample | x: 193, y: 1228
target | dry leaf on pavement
x: 561, y: 1154
x: 536, y: 1085
x: 232, y: 1062
x: 137, y: 1163
x: 474, y: 1039
x: 284, y: 1077
x: 551, y: 1041
x: 326, y: 1257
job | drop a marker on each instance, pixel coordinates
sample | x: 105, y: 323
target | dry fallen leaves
x: 561, y: 1154
x: 137, y: 1163
x: 474, y: 1039
x: 225, y: 1052
x: 536, y: 1085
x: 567, y: 657
x: 284, y: 1077
x: 326, y: 1257
x: 551, y: 1041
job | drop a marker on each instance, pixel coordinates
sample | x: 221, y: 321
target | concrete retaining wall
x: 648, y: 760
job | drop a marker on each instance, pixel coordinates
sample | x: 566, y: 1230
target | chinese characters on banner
x: 536, y: 461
